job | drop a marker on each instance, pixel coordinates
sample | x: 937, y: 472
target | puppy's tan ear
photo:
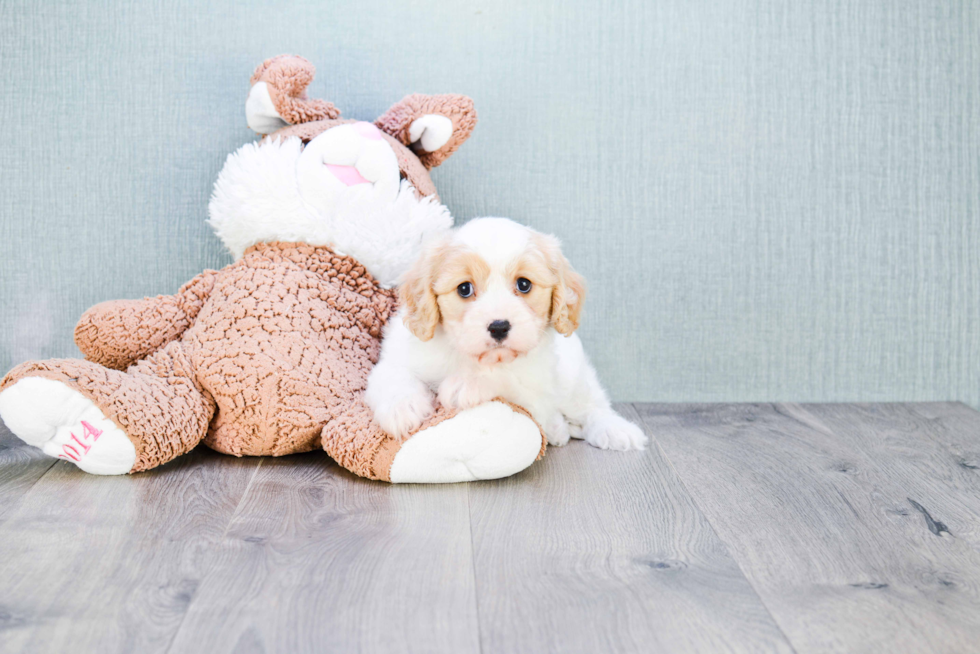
x: 418, y: 297
x: 568, y: 295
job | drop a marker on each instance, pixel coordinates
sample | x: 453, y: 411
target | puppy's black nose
x: 498, y: 329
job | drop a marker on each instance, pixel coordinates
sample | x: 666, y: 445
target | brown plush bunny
x: 270, y: 355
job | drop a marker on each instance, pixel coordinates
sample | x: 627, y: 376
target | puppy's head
x: 495, y: 286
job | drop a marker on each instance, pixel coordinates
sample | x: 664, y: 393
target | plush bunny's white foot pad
x: 65, y: 424
x: 486, y: 442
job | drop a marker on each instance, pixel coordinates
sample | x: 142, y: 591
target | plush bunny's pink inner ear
x: 434, y: 126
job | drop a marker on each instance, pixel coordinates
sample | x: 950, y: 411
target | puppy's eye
x: 465, y: 289
x: 523, y: 284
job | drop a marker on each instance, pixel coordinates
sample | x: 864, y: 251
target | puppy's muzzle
x: 499, y: 329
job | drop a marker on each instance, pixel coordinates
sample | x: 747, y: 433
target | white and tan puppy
x: 489, y: 311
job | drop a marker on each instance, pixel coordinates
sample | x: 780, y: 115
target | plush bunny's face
x: 349, y: 159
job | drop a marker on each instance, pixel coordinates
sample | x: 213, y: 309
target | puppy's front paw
x: 608, y: 431
x: 403, y: 416
x: 556, y: 431
x: 459, y: 392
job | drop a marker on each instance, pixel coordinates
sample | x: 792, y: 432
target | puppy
x: 489, y: 311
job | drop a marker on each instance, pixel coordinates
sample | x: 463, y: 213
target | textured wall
x: 771, y: 200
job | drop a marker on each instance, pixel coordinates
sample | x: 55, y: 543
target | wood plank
x: 959, y: 427
x: 823, y: 530
x: 593, y: 551
x: 317, y: 559
x: 110, y: 564
x: 928, y: 449
x: 20, y: 467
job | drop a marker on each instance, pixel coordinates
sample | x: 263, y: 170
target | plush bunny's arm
x: 118, y: 333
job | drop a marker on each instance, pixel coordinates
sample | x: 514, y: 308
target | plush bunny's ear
x: 434, y: 126
x: 278, y: 95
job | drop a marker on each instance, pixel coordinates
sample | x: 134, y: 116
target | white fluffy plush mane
x: 257, y: 199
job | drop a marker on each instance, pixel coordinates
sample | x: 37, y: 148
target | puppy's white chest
x: 530, y: 380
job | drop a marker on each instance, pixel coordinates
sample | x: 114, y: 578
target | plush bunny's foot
x: 489, y: 441
x: 65, y: 424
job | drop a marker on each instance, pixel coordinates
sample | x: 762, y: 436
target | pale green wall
x: 771, y: 200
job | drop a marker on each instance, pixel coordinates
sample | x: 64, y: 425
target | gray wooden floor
x: 744, y: 528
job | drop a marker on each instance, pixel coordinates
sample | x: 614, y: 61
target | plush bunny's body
x: 270, y: 355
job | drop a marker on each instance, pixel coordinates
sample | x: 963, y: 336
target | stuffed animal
x: 269, y: 355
